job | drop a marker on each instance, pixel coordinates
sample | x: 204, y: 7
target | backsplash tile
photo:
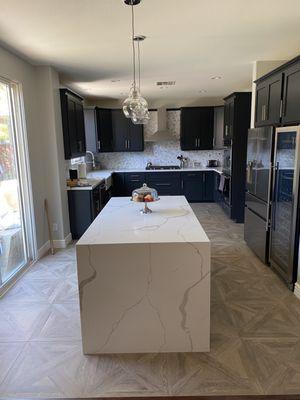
x: 159, y: 154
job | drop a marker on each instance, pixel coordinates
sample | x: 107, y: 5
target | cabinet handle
x: 280, y: 112
x: 99, y: 145
x: 199, y: 143
x: 163, y: 184
x: 128, y: 141
x: 182, y: 184
x: 226, y: 130
x: 196, y: 142
x: 214, y: 142
x: 134, y: 180
x: 125, y: 144
x: 80, y: 145
x: 203, y: 178
x: 263, y: 112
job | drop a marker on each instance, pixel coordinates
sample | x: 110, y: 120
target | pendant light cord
x: 133, y: 46
x: 139, y: 65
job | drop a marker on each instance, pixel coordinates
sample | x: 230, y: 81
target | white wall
x: 42, y: 116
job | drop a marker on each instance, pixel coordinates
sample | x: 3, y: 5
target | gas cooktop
x: 159, y: 167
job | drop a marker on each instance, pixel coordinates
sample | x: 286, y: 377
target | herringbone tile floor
x: 255, y: 333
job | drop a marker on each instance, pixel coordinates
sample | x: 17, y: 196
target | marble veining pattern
x: 144, y: 300
x: 255, y: 338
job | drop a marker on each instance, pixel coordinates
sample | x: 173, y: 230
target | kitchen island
x: 144, y: 280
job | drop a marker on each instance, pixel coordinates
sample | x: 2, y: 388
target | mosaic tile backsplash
x: 158, y: 154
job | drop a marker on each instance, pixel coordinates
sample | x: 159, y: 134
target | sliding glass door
x: 16, y: 247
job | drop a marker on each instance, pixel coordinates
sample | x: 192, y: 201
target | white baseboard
x: 58, y: 244
x: 43, y: 250
x: 63, y: 243
x: 297, y: 290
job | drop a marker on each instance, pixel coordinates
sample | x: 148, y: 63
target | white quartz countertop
x: 120, y: 222
x: 96, y: 177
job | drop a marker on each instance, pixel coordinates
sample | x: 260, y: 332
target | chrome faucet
x: 93, y: 159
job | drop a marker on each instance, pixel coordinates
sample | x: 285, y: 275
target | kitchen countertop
x: 120, y: 221
x: 97, y: 177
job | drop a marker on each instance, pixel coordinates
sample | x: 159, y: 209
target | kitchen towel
x: 222, y: 183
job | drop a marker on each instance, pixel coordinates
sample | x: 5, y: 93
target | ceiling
x: 188, y: 41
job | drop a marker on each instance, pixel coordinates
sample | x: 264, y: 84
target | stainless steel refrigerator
x: 284, y: 240
x: 258, y: 190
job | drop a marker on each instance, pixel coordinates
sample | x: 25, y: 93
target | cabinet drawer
x: 134, y: 176
x: 162, y: 176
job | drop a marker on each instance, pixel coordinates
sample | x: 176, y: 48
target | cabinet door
x: 274, y: 101
x: 166, y: 183
x: 192, y: 186
x: 228, y: 121
x: 261, y: 103
x: 136, y: 137
x: 291, y: 95
x: 189, y: 129
x: 120, y: 128
x: 72, y: 132
x: 206, y: 139
x: 90, y: 129
x: 80, y: 132
x: 118, y: 184
x: 104, y: 130
x: 133, y: 181
x: 209, y: 184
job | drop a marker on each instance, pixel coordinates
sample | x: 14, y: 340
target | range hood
x: 162, y: 134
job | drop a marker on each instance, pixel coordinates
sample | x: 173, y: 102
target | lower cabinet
x: 198, y: 186
x: 195, y: 186
x: 84, y: 206
x: 166, y: 183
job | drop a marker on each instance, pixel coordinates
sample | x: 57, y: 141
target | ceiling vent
x: 166, y: 83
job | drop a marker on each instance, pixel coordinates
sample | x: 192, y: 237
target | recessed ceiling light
x: 115, y: 80
x: 216, y: 77
x: 202, y: 91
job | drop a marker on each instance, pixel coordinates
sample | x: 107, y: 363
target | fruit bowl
x: 145, y: 195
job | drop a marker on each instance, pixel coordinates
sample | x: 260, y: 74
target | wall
x: 42, y: 121
x: 161, y: 153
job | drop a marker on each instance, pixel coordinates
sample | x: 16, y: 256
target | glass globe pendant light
x: 135, y: 106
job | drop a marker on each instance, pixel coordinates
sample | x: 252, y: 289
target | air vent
x: 166, y: 83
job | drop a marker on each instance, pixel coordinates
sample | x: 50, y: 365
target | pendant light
x: 135, y: 106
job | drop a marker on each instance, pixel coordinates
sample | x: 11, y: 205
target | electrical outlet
x: 54, y: 227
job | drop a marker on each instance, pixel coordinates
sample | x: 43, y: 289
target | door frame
x: 20, y: 142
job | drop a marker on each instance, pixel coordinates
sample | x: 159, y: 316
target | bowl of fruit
x: 145, y: 195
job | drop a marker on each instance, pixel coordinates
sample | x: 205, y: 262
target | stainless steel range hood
x: 162, y: 134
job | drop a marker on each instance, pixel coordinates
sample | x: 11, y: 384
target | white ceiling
x: 188, y: 41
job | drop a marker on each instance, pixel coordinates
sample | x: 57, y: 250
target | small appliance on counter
x: 73, y: 178
x: 212, y: 163
x: 145, y: 195
x: 82, y: 170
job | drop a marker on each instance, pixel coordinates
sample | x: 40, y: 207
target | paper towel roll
x: 82, y: 170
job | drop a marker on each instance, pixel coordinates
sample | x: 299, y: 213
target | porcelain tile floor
x: 255, y: 340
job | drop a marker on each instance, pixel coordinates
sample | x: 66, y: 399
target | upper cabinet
x: 126, y: 135
x: 268, y: 101
x: 73, y: 124
x: 228, y: 120
x: 291, y: 95
x: 197, y: 128
x: 278, y: 96
x: 104, y: 130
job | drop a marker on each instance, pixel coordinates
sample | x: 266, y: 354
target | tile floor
x: 255, y: 336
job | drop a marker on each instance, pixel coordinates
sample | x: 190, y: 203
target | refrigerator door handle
x: 275, y: 184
